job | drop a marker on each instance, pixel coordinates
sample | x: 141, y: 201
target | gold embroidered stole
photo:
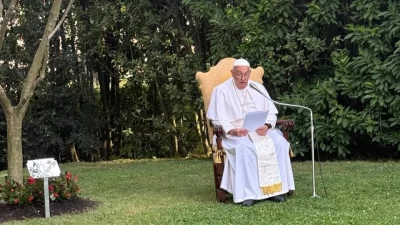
x: 268, y: 169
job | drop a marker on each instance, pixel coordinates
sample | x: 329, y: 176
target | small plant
x: 31, y: 192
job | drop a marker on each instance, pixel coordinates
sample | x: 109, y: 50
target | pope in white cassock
x: 258, y: 164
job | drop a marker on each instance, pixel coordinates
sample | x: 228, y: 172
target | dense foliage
x: 121, y: 73
x: 340, y: 58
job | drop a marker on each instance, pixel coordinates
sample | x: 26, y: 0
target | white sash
x: 268, y: 169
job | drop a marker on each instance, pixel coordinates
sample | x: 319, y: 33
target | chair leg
x: 218, y: 171
x: 221, y: 195
x: 219, y: 165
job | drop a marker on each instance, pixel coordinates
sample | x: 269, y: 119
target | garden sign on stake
x: 44, y: 168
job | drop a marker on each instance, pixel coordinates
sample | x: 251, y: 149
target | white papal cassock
x: 241, y: 177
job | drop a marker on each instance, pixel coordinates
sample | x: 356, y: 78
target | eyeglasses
x: 241, y: 75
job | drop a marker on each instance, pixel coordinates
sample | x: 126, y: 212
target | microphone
x: 252, y: 85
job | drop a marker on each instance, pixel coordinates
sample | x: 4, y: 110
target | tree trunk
x: 175, y: 138
x: 74, y: 154
x: 202, y: 130
x: 174, y: 144
x: 14, y: 145
x: 205, y: 123
x: 104, y: 82
x: 118, y: 141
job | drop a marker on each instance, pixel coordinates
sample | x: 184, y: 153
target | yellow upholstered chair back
x: 217, y: 75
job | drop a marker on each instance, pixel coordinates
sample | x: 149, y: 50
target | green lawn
x: 181, y: 192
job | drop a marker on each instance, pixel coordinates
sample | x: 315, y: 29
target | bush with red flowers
x: 31, y: 192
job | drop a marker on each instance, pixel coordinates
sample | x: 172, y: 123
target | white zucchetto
x: 241, y: 62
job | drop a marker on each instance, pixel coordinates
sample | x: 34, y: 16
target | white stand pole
x: 46, y: 197
x: 314, y: 194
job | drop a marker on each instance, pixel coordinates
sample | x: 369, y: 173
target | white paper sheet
x: 254, y: 120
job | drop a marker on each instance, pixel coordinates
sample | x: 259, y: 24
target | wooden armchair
x: 207, y: 81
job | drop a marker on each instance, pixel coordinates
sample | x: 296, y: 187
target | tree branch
x: 38, y: 60
x: 71, y: 2
x: 1, y: 8
x: 5, y: 101
x: 6, y: 19
x: 42, y: 72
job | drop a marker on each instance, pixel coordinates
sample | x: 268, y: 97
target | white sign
x: 44, y: 168
x: 41, y: 168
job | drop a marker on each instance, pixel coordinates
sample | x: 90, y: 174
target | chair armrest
x: 285, y: 124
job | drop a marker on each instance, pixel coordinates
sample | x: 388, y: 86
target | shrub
x: 31, y: 192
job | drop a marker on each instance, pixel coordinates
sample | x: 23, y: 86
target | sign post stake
x: 46, y: 197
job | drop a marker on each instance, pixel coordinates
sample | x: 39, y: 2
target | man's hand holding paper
x: 262, y: 131
x: 238, y: 132
x: 254, y: 122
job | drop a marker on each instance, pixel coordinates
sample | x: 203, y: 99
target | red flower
x: 55, y: 195
x: 51, y: 188
x: 30, y: 198
x: 31, y: 180
x: 16, y: 200
x: 68, y: 175
x: 68, y: 195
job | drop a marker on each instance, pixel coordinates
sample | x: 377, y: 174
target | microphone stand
x: 312, y: 131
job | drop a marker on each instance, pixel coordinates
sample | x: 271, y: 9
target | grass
x: 180, y: 191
